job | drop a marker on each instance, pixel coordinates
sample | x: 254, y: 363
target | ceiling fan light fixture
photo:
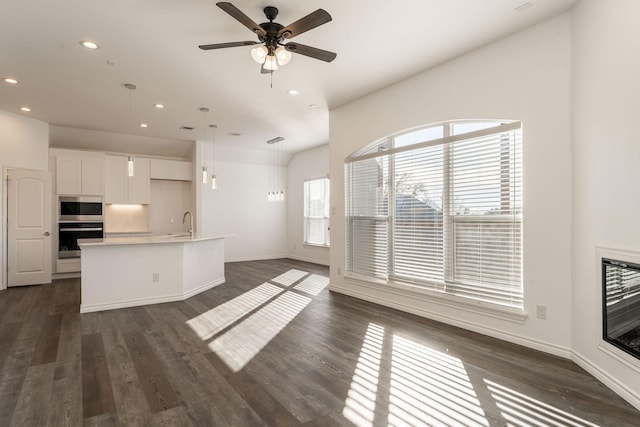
x: 283, y: 56
x: 270, y: 63
x: 259, y: 54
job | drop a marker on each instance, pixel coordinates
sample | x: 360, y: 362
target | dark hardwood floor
x: 272, y: 346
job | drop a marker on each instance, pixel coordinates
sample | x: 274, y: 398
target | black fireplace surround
x: 621, y: 305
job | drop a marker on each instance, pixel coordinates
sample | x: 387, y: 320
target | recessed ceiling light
x: 10, y: 80
x: 312, y: 106
x: 25, y: 109
x: 234, y: 134
x: 293, y: 92
x: 144, y: 125
x: 89, y: 44
x: 159, y: 105
x: 186, y: 127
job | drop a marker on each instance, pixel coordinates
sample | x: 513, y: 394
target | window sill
x: 510, y: 314
x: 315, y: 245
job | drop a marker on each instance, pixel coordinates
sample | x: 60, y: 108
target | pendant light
x: 205, y: 172
x: 275, y: 193
x: 214, y: 182
x: 131, y: 161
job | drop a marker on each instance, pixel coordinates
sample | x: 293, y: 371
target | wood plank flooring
x: 272, y: 346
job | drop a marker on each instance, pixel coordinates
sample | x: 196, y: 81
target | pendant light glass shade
x: 270, y: 63
x: 205, y: 175
x: 131, y: 166
x: 214, y: 183
x: 259, y: 54
x: 283, y: 56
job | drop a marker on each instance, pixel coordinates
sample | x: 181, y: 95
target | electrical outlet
x: 541, y: 312
x: 295, y: 246
x: 156, y: 277
x: 339, y: 271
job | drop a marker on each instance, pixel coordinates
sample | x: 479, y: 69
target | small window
x: 316, y: 212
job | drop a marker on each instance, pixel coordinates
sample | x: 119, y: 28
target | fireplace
x: 621, y: 305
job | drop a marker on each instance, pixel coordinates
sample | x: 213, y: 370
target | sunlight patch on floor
x: 213, y: 321
x: 239, y: 345
x: 426, y: 387
x: 360, y: 405
x: 314, y: 284
x: 430, y: 387
x: 520, y: 410
x: 290, y: 277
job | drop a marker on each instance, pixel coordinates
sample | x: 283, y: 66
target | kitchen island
x: 122, y: 272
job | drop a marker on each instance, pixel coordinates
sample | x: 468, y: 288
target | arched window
x: 440, y: 207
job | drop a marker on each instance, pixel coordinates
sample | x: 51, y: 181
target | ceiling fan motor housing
x: 271, y: 12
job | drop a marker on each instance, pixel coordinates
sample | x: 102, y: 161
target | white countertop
x: 149, y: 240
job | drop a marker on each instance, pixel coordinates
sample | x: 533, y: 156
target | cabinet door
x: 92, y: 177
x: 68, y: 176
x: 181, y: 171
x: 160, y: 169
x: 139, y: 184
x: 115, y: 179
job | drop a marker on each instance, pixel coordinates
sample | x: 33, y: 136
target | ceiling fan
x: 273, y: 51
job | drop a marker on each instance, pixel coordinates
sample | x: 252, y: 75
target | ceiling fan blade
x: 241, y: 17
x: 224, y: 45
x: 313, y: 52
x: 309, y: 22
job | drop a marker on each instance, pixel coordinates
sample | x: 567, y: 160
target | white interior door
x: 29, y: 227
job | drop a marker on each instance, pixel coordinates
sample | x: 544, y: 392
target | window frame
x: 326, y: 218
x: 445, y: 288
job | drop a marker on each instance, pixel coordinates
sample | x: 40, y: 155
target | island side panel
x: 203, y: 266
x: 130, y: 275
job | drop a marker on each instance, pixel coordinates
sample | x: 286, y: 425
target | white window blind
x: 316, y: 212
x: 444, y: 214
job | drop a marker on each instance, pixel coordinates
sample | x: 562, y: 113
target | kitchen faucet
x: 190, y: 222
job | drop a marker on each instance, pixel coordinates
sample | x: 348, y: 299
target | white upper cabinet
x: 79, y: 173
x: 177, y: 170
x: 123, y: 189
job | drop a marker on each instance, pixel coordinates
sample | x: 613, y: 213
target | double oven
x: 78, y: 218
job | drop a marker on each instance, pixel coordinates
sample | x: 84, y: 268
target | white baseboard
x: 57, y: 276
x: 255, y: 258
x: 148, y: 301
x: 305, y: 259
x: 129, y: 303
x: 203, y: 288
x: 608, y: 380
x: 554, y: 349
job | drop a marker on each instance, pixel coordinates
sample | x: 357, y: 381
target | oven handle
x: 82, y: 229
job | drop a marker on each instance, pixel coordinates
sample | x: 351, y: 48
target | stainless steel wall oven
x: 78, y: 218
x: 70, y: 232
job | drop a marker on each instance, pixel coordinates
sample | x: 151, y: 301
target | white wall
x: 523, y: 77
x: 305, y: 165
x: 239, y: 208
x: 24, y: 144
x: 606, y: 173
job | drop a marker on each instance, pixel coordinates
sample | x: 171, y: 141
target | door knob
x: 46, y: 233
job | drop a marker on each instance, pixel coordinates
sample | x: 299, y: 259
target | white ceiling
x: 153, y: 44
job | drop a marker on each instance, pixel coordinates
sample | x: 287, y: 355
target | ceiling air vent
x: 276, y: 139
